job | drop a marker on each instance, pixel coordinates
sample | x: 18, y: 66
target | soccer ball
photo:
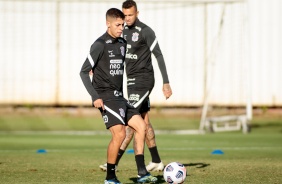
x: 174, y: 173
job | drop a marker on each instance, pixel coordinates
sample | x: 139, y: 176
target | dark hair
x: 115, y: 13
x: 128, y: 4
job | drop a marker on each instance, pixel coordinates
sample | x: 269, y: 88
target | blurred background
x: 217, y: 52
x: 224, y: 62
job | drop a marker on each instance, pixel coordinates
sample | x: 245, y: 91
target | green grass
x: 74, y: 158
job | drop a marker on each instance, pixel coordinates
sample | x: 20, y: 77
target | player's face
x: 115, y: 27
x: 131, y: 15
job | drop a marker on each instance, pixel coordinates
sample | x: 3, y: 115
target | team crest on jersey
x: 121, y: 112
x: 122, y: 50
x: 135, y: 36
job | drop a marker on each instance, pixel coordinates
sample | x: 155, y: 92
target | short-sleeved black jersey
x: 106, y: 60
x: 141, y: 43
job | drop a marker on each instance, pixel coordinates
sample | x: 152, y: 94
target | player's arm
x: 152, y: 42
x: 93, y: 57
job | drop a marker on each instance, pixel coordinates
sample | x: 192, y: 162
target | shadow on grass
x: 275, y: 126
x: 266, y: 125
x: 198, y: 165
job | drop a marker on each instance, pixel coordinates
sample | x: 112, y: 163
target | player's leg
x: 118, y: 135
x: 156, y: 163
x: 150, y: 133
x: 129, y: 135
x: 138, y: 124
x: 133, y: 100
x: 114, y: 118
x: 136, y: 98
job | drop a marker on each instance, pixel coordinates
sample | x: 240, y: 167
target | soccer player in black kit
x: 141, y: 43
x: 106, y: 61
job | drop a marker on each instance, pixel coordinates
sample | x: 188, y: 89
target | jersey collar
x: 110, y: 40
x: 134, y: 24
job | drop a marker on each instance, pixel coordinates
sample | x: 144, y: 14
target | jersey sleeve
x: 152, y: 42
x: 93, y: 57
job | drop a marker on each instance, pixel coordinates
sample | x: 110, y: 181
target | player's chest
x: 114, y: 51
x: 134, y: 39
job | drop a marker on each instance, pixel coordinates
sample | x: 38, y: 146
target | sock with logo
x: 111, y: 171
x: 120, y: 153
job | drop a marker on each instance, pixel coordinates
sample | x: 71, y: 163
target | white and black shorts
x: 139, y: 100
x: 117, y: 112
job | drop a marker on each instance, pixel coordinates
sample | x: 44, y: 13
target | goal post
x: 236, y: 67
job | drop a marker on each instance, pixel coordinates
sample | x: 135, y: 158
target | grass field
x: 73, y: 153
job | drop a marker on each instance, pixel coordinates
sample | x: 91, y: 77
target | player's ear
x: 108, y: 24
x: 137, y: 13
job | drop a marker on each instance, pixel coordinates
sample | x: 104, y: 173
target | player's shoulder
x: 101, y: 40
x: 138, y: 26
x: 106, y: 39
x: 141, y: 25
x: 98, y: 44
x: 144, y: 28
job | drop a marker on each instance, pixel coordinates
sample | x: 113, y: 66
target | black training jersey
x: 106, y: 60
x: 141, y: 43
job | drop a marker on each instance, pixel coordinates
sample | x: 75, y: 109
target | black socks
x: 140, y: 165
x: 111, y: 173
x: 120, y: 153
x: 155, y: 155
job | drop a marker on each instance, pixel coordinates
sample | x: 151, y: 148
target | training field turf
x: 74, y: 157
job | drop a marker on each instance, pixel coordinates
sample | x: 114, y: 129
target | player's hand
x: 91, y: 73
x: 167, y: 90
x: 99, y: 104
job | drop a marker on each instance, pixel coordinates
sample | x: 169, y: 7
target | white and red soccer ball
x: 174, y: 173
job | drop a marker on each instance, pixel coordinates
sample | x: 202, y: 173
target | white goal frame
x: 225, y: 122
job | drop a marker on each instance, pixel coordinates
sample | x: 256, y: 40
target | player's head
x: 115, y: 22
x: 129, y: 8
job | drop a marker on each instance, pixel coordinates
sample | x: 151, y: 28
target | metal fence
x: 230, y: 50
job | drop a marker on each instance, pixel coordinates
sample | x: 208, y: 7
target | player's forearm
x: 162, y: 68
x: 88, y: 85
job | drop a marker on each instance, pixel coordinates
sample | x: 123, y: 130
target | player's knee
x: 122, y: 135
x: 119, y: 137
x: 137, y: 123
x: 142, y: 127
